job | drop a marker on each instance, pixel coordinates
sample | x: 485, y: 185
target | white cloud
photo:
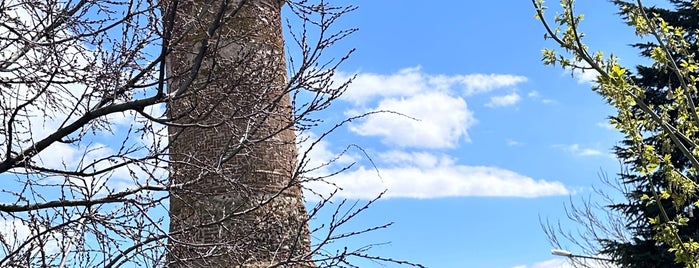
x: 365, y: 86
x: 535, y: 95
x: 576, y: 149
x: 480, y: 83
x: 58, y: 155
x: 319, y: 157
x: 411, y: 81
x: 557, y: 263
x: 15, y: 232
x: 503, y: 100
x: 552, y: 263
x: 589, y: 152
x: 585, y: 76
x: 561, y: 262
x: 61, y: 104
x: 426, y: 175
x: 440, y: 121
x: 606, y: 125
x: 513, y: 143
x: 436, y: 101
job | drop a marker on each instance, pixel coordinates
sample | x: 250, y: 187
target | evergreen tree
x: 644, y: 250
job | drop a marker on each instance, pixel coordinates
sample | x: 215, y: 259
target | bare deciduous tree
x: 593, y: 223
x: 162, y: 133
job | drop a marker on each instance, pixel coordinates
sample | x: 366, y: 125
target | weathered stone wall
x: 235, y: 146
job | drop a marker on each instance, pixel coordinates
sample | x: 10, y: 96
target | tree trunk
x: 235, y: 200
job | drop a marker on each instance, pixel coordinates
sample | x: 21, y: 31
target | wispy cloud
x: 514, y: 143
x: 552, y: 263
x: 480, y: 83
x: 606, y: 125
x: 503, y: 100
x: 410, y: 81
x: 427, y: 175
x: 561, y: 262
x: 535, y: 95
x: 578, y: 150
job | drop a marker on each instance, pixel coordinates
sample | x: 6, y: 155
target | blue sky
x: 502, y: 140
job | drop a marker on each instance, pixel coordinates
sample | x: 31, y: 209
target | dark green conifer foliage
x: 643, y: 250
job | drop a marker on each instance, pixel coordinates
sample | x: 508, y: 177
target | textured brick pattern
x: 235, y: 146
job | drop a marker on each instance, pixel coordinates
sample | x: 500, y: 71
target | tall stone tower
x: 236, y: 201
